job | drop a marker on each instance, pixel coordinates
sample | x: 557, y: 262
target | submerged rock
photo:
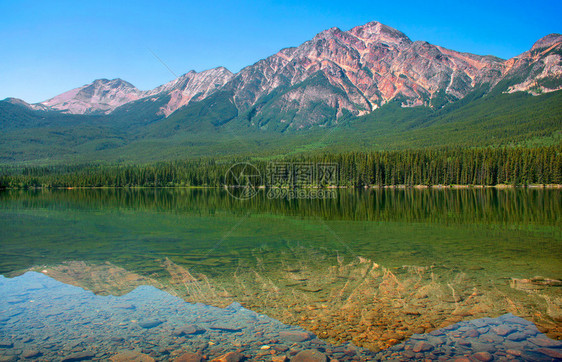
x: 545, y: 342
x: 229, y: 357
x: 295, y: 336
x: 8, y: 358
x: 132, y: 356
x: 517, y: 336
x: 30, y: 353
x: 79, y: 356
x: 188, y: 330
x: 189, y: 357
x: 551, y: 353
x: 422, y: 347
x: 125, y: 306
x: 151, y: 323
x: 226, y: 328
x: 310, y: 355
x: 482, y: 356
x: 503, y: 330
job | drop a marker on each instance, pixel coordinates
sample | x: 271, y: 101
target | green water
x: 304, y: 261
x: 509, y: 232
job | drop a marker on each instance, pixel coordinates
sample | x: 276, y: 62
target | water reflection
x: 371, y: 267
x: 509, y: 206
x: 44, y: 319
x: 362, y: 302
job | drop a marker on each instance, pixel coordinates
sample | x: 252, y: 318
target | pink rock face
x: 364, y: 68
x: 101, y: 96
x: 539, y: 65
x: 191, y: 86
x: 104, y: 96
x: 353, y: 72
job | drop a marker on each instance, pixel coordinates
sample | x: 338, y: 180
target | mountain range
x: 371, y: 80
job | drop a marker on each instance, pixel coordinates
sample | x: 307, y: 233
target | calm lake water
x: 369, y: 267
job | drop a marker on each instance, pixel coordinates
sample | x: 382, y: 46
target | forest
x: 517, y: 166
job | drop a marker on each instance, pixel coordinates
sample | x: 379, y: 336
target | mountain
x: 368, y: 87
x: 339, y: 74
x: 336, y: 75
x: 21, y: 102
x: 101, y: 96
x: 538, y: 70
x: 354, y: 72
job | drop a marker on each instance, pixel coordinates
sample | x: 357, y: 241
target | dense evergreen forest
x: 446, y: 166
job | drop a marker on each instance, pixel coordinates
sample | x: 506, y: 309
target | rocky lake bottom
x: 44, y: 319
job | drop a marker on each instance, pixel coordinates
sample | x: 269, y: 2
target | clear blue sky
x: 48, y: 47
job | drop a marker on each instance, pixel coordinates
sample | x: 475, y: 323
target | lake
x: 371, y: 270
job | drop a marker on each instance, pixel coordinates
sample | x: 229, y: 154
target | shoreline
x: 366, y: 187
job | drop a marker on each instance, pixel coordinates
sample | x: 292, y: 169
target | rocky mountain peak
x: 113, y: 83
x: 222, y: 69
x: 100, y: 96
x: 375, y: 31
x: 22, y: 103
x: 547, y: 41
x: 216, y: 72
x: 104, y: 95
x: 328, y: 33
x: 538, y: 70
x: 16, y: 101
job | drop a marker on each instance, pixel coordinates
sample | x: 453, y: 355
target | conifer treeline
x: 488, y: 166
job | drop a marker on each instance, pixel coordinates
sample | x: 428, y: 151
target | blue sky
x: 48, y: 47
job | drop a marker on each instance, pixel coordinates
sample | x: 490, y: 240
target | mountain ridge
x: 103, y: 96
x: 334, y: 75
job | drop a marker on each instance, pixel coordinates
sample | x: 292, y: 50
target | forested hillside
x: 479, y: 120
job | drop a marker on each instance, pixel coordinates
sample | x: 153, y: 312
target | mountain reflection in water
x: 42, y: 318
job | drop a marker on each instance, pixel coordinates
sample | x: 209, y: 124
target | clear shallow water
x: 48, y: 320
x: 44, y: 319
x: 370, y: 267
